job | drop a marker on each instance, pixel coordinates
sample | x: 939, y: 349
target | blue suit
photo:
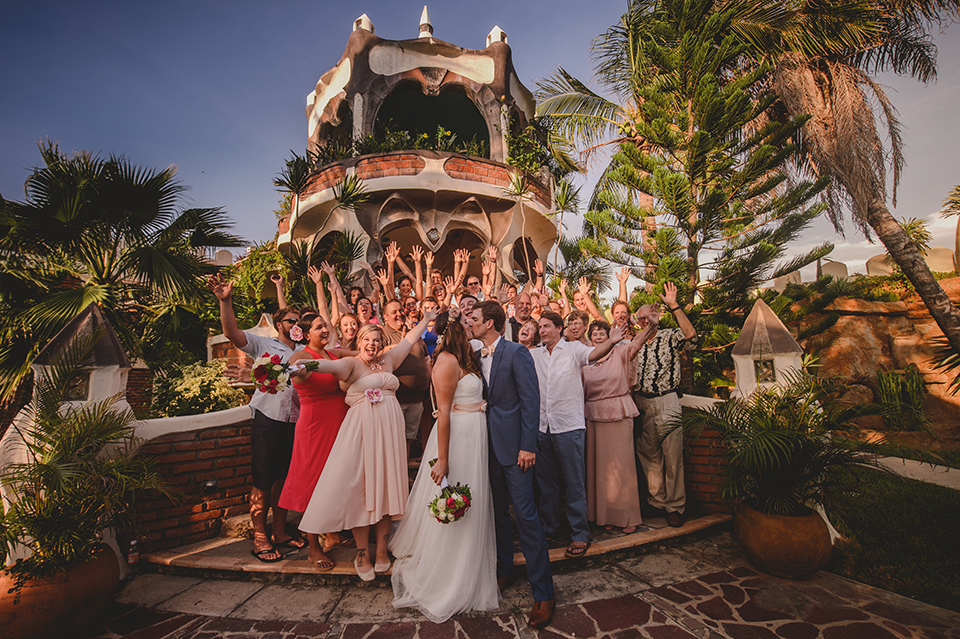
x: 513, y: 418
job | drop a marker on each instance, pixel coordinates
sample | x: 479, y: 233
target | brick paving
x: 703, y: 589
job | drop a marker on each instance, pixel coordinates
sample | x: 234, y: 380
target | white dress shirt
x: 275, y: 406
x: 486, y: 361
x: 561, y: 385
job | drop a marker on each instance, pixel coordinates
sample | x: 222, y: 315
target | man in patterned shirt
x: 658, y: 398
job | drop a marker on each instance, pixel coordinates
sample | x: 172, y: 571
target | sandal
x: 291, y: 543
x: 577, y: 549
x: 629, y: 530
x: 323, y: 565
x: 267, y: 551
x: 343, y: 542
x: 608, y: 528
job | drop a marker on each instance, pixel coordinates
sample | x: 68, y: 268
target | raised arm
x: 395, y: 356
x: 622, y: 276
x: 392, y: 253
x: 417, y: 255
x: 316, y: 275
x: 277, y: 280
x: 669, y: 298
x: 223, y: 290
x: 486, y: 284
x: 641, y: 338
x: 446, y: 374
x: 428, y: 267
x: 337, y: 296
x: 591, y: 307
x: 564, y: 302
x: 385, y: 282
x: 342, y: 369
x: 538, y: 269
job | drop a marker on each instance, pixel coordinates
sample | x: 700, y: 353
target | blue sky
x: 219, y: 88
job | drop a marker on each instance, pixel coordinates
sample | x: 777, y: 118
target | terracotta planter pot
x: 783, y: 545
x: 60, y: 605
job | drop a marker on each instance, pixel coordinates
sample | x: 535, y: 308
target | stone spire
x: 496, y: 35
x: 426, y: 29
x: 363, y: 22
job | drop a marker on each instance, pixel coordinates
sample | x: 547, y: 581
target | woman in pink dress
x: 322, y: 409
x: 364, y: 482
x: 613, y: 498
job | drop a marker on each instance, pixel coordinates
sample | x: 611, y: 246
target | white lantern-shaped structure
x: 765, y: 352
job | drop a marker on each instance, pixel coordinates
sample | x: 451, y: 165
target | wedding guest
x: 364, y: 482
x: 562, y: 428
x: 347, y: 329
x: 322, y: 409
x: 411, y: 312
x: 529, y: 334
x: 353, y: 294
x: 658, y: 398
x: 613, y: 498
x: 522, y: 310
x: 430, y: 335
x: 576, y: 327
x: 271, y: 435
x: 365, y: 312
x: 413, y: 372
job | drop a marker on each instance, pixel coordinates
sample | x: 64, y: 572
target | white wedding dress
x: 446, y: 569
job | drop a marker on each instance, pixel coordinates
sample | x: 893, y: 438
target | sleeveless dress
x: 446, y: 569
x: 365, y: 477
x: 322, y: 409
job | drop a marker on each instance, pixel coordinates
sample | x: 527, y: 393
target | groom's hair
x: 493, y: 311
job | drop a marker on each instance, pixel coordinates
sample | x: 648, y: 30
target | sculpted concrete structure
x: 442, y: 201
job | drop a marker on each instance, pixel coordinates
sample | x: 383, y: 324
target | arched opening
x: 332, y: 141
x: 524, y: 258
x: 408, y: 109
x: 407, y: 237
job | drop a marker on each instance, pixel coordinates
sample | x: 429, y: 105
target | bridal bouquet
x: 271, y: 375
x: 451, y: 504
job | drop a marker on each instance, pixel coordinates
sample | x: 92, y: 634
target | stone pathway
x: 703, y: 589
x: 940, y: 475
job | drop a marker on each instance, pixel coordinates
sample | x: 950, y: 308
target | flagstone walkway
x: 703, y: 589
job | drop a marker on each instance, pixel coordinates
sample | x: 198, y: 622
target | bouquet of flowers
x: 272, y: 375
x: 451, y: 504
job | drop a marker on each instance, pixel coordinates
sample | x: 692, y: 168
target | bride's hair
x: 454, y: 341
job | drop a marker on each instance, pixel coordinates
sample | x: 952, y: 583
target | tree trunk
x: 913, y: 265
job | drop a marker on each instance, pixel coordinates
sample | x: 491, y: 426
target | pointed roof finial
x: 496, y: 35
x: 363, y: 22
x: 426, y: 29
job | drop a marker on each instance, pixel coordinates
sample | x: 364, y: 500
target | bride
x: 445, y: 569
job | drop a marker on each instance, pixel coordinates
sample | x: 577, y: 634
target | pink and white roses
x: 272, y: 375
x: 374, y: 395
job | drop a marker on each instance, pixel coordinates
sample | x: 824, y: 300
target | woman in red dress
x: 322, y: 409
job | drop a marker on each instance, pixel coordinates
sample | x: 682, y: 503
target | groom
x: 513, y: 417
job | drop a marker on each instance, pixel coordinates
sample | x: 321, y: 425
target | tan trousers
x: 662, y: 464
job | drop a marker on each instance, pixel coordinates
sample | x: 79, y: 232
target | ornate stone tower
x: 440, y: 200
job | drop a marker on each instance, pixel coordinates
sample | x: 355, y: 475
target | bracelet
x: 673, y: 309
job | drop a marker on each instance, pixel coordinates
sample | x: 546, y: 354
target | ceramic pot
x: 793, y: 546
x: 62, y: 604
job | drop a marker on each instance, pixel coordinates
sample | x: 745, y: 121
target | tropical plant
x: 82, y: 474
x: 103, y: 231
x: 195, y: 389
x: 784, y: 445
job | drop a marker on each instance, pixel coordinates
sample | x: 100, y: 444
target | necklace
x: 374, y: 366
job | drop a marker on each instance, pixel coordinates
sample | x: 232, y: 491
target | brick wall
x: 703, y: 458
x: 326, y: 179
x: 489, y: 172
x: 389, y: 165
x: 185, y: 461
x: 139, y: 388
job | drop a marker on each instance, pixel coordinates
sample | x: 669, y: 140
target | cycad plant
x: 784, y: 445
x: 82, y: 474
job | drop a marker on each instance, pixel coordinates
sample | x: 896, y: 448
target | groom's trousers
x: 510, y: 484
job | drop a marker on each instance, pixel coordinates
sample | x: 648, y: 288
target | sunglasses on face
x: 290, y: 321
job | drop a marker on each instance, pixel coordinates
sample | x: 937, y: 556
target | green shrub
x: 199, y: 388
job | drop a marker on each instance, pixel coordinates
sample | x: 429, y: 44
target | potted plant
x: 784, y: 446
x: 80, y: 476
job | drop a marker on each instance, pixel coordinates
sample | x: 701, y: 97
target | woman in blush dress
x: 322, y: 409
x: 364, y: 482
x: 613, y: 498
x: 445, y: 569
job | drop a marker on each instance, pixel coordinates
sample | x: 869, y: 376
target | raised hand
x: 584, y: 287
x: 429, y: 315
x: 504, y: 295
x: 669, y: 296
x: 538, y: 266
x: 314, y: 274
x: 492, y: 253
x: 616, y: 333
x: 221, y: 287
x: 382, y: 277
x: 450, y: 284
x: 486, y: 267
x: 417, y: 253
x: 393, y: 252
x: 457, y: 256
x: 328, y: 269
x: 623, y: 274
x: 277, y: 279
x: 428, y: 258
x: 366, y: 266
x: 562, y: 286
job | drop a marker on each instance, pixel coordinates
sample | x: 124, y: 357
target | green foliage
x: 82, y: 475
x: 901, y: 395
x: 918, y: 233
x: 785, y: 445
x: 947, y: 361
x: 198, y: 388
x: 884, y: 546
x: 525, y: 151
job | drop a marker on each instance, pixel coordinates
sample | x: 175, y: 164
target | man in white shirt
x: 271, y: 434
x: 562, y: 427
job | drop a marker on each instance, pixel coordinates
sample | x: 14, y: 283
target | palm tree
x: 103, y: 231
x: 951, y: 207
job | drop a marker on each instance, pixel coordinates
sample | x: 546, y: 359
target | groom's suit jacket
x: 513, y: 402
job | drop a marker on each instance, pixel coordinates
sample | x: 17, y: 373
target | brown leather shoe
x: 542, y: 613
x: 675, y: 519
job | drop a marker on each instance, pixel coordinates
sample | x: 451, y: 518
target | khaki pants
x: 662, y: 464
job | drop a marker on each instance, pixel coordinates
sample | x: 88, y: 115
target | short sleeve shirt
x: 658, y: 362
x: 275, y: 406
x: 561, y: 385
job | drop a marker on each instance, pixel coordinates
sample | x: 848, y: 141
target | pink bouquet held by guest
x: 451, y: 504
x: 271, y: 375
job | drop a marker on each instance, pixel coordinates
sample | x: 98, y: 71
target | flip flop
x: 266, y: 551
x: 577, y: 549
x: 293, y: 543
